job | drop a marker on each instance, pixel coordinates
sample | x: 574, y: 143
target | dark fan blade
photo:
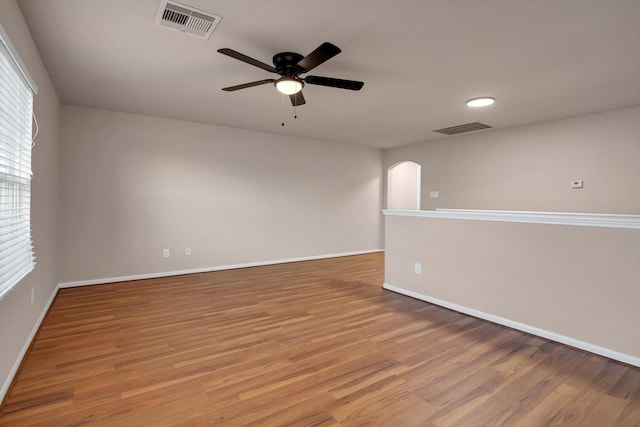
x: 246, y: 85
x: 339, y: 83
x: 297, y: 99
x: 244, y: 58
x: 323, y: 53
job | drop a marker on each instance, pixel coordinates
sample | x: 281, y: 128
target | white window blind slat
x: 16, y: 113
x: 15, y: 263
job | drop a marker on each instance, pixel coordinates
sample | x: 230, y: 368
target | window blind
x: 16, y: 112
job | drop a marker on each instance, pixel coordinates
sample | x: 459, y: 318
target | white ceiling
x: 420, y: 61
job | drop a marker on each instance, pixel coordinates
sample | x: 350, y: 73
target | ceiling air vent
x: 467, y: 127
x: 186, y: 19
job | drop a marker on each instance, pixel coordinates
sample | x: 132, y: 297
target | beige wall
x: 18, y: 316
x: 133, y: 185
x: 578, y: 282
x: 531, y: 167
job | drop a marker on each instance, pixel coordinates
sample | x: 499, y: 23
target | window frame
x: 16, y: 118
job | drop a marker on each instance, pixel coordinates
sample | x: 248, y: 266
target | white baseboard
x: 25, y: 348
x: 208, y: 269
x: 592, y: 348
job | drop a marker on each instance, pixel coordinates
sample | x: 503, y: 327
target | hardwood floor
x: 315, y: 343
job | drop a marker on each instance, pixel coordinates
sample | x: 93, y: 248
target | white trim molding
x: 571, y: 342
x: 25, y: 347
x: 556, y: 218
x: 208, y: 269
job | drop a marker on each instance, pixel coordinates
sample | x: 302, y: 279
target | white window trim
x: 16, y: 170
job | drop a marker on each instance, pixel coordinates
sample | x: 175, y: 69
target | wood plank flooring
x: 315, y: 343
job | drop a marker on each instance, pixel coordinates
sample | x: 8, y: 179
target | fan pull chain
x: 282, y: 110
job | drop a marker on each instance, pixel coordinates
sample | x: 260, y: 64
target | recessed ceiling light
x: 480, y: 102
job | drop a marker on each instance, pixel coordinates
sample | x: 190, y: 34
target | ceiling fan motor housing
x: 286, y: 63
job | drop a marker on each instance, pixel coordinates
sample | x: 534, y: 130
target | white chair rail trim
x: 557, y: 218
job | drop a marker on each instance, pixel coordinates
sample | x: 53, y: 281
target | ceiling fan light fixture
x: 289, y: 85
x: 480, y: 102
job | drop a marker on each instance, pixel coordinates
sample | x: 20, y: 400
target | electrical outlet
x: 434, y: 194
x: 33, y: 295
x: 576, y: 183
x: 418, y: 268
x: 166, y: 253
x: 187, y: 251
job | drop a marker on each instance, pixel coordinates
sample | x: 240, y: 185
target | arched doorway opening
x: 403, y: 186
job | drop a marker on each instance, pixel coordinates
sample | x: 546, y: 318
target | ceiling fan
x: 290, y: 66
